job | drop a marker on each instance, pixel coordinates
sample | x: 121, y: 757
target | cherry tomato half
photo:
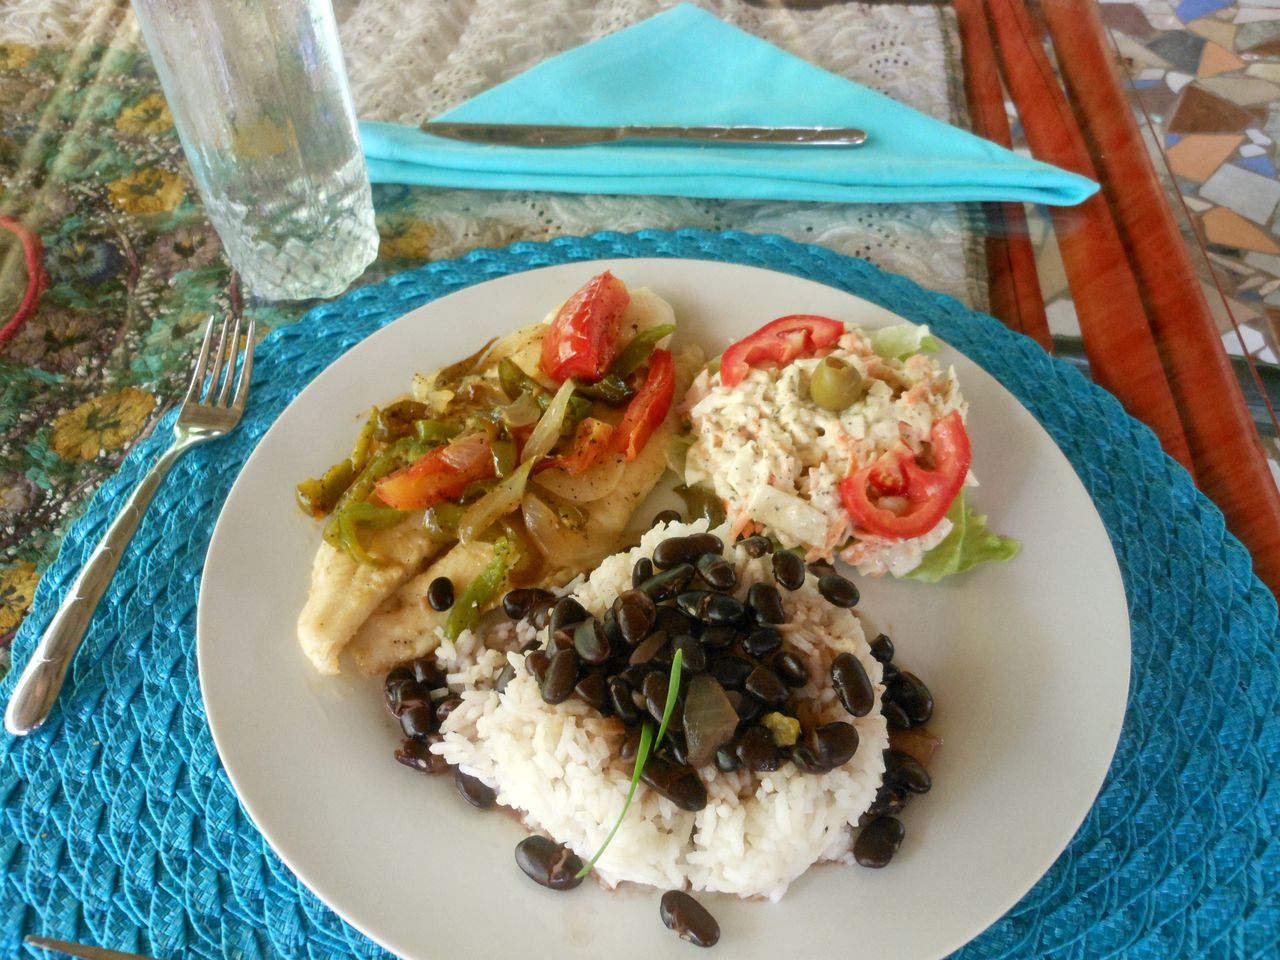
x: 648, y: 408
x: 780, y: 342
x: 582, y: 340
x: 441, y: 474
x: 928, y: 491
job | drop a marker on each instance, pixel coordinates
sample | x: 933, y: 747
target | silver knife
x: 82, y: 950
x: 552, y: 135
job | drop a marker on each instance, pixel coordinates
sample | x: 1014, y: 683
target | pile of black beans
x: 906, y: 704
x: 418, y: 696
x: 682, y: 599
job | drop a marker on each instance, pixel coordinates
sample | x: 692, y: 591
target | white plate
x: 1028, y: 663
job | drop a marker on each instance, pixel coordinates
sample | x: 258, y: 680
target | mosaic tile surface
x: 1207, y: 75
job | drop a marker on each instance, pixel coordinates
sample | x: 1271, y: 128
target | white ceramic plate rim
x: 310, y: 757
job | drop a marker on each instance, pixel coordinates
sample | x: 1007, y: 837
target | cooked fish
x: 343, y: 592
x: 403, y: 626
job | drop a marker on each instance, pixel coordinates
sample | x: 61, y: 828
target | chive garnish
x: 673, y: 689
x: 642, y: 755
x: 647, y: 740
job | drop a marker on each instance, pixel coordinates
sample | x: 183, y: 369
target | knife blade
x: 560, y: 135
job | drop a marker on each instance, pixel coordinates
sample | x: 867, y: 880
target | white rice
x: 559, y: 765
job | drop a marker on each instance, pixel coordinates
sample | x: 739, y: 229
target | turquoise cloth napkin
x: 686, y: 67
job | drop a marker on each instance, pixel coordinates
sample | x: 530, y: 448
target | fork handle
x: 42, y: 678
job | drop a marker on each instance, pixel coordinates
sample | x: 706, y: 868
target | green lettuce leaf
x: 903, y: 340
x: 968, y: 544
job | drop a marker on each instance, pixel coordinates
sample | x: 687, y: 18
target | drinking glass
x: 259, y: 96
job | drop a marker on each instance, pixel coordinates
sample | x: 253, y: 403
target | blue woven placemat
x: 118, y: 826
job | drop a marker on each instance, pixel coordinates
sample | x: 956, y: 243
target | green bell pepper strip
x: 635, y: 353
x: 354, y: 515
x: 465, y: 613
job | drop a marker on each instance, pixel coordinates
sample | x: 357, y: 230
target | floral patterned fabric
x: 93, y: 179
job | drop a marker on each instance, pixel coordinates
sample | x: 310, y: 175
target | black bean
x: 895, y: 716
x: 561, y: 640
x: 428, y: 672
x: 788, y: 569
x: 417, y: 719
x: 821, y: 568
x: 764, y: 683
x: 665, y: 516
x: 474, y: 791
x: 852, y: 685
x: 889, y: 801
x: 537, y: 661
x: 888, y: 672
x: 732, y: 672
x: 635, y: 612
x: 838, y: 591
x: 878, y: 841
x: 677, y: 550
x: 399, y: 681
x: 903, y: 770
x: 630, y: 746
x: 756, y: 546
x: 635, y: 674
x: 518, y: 603
x: 679, y: 784
x: 417, y: 755
x: 716, y: 609
x: 562, y: 675
x: 665, y: 585
x: 791, y: 669
x: 440, y: 594
x: 548, y: 863
x: 655, y: 697
x: 674, y: 621
x: 689, y: 919
x: 727, y: 760
x: 648, y: 648
x: 566, y: 612
x: 717, y: 572
x: 748, y: 707
x: 757, y: 750
x: 765, y: 600
x: 806, y: 760
x: 835, y: 743
x: 448, y: 705
x: 593, y: 690
x: 761, y: 642
x: 641, y: 572
x: 694, y: 659
x: 540, y: 614
x: 623, y: 705
x: 882, y: 648
x: 506, y: 676
x: 909, y: 692
x: 590, y: 643
x: 716, y: 638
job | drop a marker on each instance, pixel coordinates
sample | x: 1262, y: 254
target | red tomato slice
x: 590, y: 441
x: 441, y: 474
x: 780, y: 342
x: 648, y: 407
x: 582, y: 340
x: 928, y: 491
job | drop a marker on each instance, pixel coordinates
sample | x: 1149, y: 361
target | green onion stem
x: 642, y: 756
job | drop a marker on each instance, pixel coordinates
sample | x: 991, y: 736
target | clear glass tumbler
x: 259, y: 95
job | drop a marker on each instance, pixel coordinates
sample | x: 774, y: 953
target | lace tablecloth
x: 90, y: 164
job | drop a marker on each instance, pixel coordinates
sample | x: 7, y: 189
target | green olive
x: 835, y: 384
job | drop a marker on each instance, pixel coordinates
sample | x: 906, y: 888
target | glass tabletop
x: 1161, y: 287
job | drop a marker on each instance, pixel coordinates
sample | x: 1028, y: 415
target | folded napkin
x: 685, y: 67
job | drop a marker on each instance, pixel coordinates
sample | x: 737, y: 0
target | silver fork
x: 212, y: 408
